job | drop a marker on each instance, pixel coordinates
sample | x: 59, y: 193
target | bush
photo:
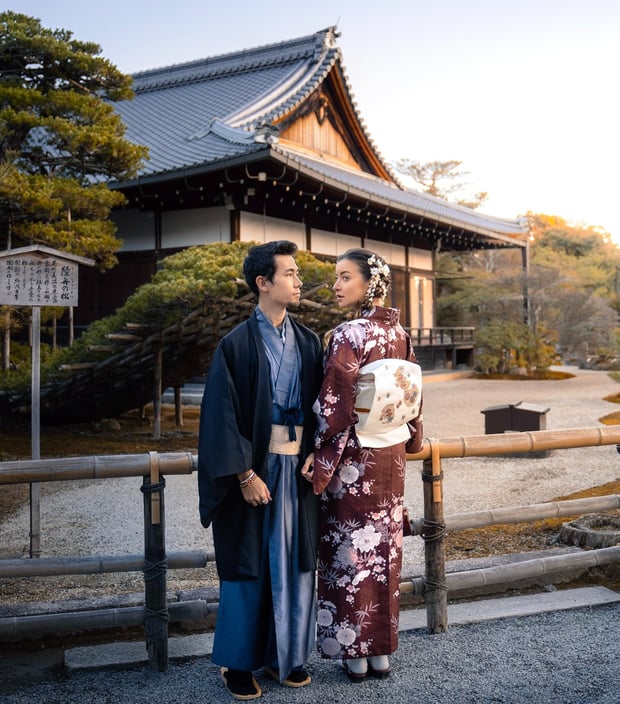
x: 503, y: 346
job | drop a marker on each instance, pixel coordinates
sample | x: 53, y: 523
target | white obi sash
x: 280, y: 442
x: 388, y: 396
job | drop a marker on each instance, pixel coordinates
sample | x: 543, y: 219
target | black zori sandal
x: 295, y: 678
x: 241, y: 684
x: 378, y: 674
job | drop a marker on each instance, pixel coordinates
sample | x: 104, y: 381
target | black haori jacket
x: 235, y: 428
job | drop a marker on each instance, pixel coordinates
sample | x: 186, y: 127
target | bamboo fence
x: 434, y: 586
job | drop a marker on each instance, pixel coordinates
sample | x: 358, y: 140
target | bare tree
x: 441, y: 179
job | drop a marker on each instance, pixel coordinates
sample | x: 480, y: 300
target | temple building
x: 267, y: 143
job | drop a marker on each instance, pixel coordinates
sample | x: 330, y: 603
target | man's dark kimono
x: 235, y: 429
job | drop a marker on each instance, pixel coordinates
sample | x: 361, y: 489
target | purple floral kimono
x: 360, y: 551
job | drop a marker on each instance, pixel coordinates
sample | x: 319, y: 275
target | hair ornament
x: 379, y: 281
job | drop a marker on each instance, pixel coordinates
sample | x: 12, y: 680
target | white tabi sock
x: 358, y: 666
x: 379, y: 662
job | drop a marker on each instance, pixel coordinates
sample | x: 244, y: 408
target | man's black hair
x: 260, y: 261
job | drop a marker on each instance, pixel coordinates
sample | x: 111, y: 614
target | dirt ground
x: 133, y: 433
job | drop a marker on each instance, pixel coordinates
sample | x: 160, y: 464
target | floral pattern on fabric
x: 360, y: 552
x: 364, y: 552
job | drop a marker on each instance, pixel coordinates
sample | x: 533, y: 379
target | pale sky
x: 523, y: 92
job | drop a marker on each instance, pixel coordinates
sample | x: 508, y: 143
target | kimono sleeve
x: 223, y: 449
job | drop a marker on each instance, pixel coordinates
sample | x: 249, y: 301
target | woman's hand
x: 307, y: 469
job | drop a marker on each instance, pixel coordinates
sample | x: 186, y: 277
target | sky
x: 523, y: 92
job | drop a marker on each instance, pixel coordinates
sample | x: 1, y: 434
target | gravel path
x: 570, y: 657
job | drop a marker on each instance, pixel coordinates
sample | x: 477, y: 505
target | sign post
x: 38, y: 276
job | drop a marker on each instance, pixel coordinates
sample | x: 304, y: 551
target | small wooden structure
x: 38, y: 276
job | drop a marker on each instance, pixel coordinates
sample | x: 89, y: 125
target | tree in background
x: 60, y: 142
x: 573, y: 296
x: 574, y: 285
x: 441, y: 179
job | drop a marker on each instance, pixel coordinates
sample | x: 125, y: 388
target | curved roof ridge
x: 288, y: 93
x: 291, y: 50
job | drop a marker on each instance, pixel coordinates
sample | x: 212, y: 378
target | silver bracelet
x: 248, y: 480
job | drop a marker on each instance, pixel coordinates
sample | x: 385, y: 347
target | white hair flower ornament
x: 379, y: 282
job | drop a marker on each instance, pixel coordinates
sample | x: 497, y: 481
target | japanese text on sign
x: 29, y: 280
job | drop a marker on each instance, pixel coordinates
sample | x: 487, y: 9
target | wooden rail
x: 441, y: 336
x: 94, y: 467
x: 529, y: 441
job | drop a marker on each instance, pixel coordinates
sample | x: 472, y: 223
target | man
x: 256, y: 429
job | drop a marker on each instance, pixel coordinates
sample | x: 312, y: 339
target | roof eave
x: 396, y: 206
x: 207, y: 167
x: 268, y: 152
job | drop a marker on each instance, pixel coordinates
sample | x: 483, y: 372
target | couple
x: 283, y: 475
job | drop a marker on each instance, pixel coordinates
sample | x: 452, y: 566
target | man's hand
x: 253, y: 488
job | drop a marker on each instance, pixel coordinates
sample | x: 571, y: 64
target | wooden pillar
x: 155, y: 568
x: 35, y: 416
x: 178, y: 407
x: 434, y: 530
x: 157, y: 390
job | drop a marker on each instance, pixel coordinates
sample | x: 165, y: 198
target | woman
x: 361, y: 483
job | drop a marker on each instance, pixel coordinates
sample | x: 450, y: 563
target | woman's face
x: 350, y: 286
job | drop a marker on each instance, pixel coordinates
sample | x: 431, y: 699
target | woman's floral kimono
x: 360, y: 551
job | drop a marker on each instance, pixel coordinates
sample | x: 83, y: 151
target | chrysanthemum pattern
x: 364, y: 550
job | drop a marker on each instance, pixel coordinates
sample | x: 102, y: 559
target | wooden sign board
x: 39, y: 276
x: 30, y: 280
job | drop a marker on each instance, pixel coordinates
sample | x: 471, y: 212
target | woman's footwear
x: 355, y: 677
x: 378, y: 666
x: 240, y: 684
x: 378, y: 674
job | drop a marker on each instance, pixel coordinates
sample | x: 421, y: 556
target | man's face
x: 285, y: 287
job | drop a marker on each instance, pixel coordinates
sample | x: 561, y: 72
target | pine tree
x: 61, y: 141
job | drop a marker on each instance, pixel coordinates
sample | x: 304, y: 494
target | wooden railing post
x: 155, y: 568
x: 434, y: 532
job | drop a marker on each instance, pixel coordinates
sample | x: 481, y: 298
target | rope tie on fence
x: 431, y: 530
x: 430, y: 585
x: 152, y: 488
x: 153, y: 570
x: 155, y: 488
x: 435, y: 475
x: 162, y: 617
x: 432, y: 477
x: 160, y: 613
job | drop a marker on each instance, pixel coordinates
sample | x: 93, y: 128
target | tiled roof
x: 400, y: 198
x: 199, y: 114
x: 215, y: 108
